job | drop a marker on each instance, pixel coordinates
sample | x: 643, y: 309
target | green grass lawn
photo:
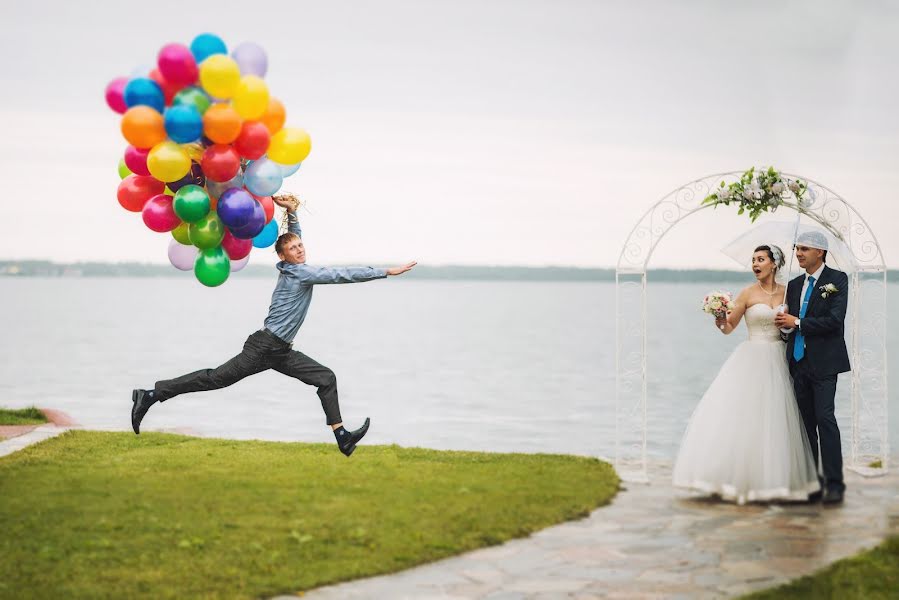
x: 21, y: 416
x: 97, y: 514
x: 871, y: 575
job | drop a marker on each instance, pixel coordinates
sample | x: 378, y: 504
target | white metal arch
x: 867, y: 444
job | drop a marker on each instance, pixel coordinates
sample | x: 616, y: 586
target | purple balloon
x: 182, y: 257
x: 253, y: 226
x: 251, y: 59
x: 194, y: 177
x: 235, y: 207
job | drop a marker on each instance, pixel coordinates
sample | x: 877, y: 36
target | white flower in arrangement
x: 724, y: 193
x: 756, y: 191
x: 794, y: 186
x: 778, y: 187
x: 715, y: 304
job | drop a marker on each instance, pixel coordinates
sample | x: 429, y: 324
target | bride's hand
x: 721, y: 322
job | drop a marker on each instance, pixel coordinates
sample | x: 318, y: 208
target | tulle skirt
x: 746, y: 441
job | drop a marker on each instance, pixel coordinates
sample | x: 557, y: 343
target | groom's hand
x: 785, y: 320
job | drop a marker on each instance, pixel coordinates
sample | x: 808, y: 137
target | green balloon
x: 124, y: 171
x: 207, y: 232
x: 212, y: 267
x: 192, y: 96
x: 191, y: 203
x: 181, y: 234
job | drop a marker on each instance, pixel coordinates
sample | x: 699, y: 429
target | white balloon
x: 182, y: 257
x: 237, y: 265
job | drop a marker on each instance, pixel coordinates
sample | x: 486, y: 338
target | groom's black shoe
x: 346, y: 440
x: 834, y: 496
x: 141, y: 400
x: 815, y: 497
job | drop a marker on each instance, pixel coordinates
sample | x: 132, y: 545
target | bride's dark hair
x: 774, y: 253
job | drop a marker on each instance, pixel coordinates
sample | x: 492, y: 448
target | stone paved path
x: 34, y: 435
x: 655, y: 542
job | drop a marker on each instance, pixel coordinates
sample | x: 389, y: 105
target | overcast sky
x: 486, y: 133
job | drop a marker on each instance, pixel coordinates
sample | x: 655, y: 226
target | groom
x: 816, y: 351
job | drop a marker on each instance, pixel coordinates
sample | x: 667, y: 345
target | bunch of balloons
x: 207, y: 150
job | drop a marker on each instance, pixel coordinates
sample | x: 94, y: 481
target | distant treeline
x: 40, y: 268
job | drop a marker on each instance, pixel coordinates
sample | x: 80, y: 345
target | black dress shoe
x: 347, y: 442
x: 833, y: 497
x: 141, y: 400
x: 815, y: 497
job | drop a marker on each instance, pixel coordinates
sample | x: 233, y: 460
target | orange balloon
x: 274, y: 116
x: 144, y: 127
x: 221, y: 123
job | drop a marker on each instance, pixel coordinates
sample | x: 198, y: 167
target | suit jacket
x: 823, y: 323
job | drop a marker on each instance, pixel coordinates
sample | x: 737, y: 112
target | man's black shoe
x: 833, y: 497
x: 815, y: 497
x: 346, y: 440
x: 142, y: 401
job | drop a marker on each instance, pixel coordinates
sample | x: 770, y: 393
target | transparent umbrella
x: 784, y: 234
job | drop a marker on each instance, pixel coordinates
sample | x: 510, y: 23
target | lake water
x: 504, y: 366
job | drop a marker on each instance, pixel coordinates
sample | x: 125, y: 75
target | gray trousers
x: 262, y: 351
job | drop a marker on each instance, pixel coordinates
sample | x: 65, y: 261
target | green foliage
x: 22, y: 416
x: 113, y: 515
x: 871, y: 575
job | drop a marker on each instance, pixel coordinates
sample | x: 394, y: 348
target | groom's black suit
x: 815, y: 375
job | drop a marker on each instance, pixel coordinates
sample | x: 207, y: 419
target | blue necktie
x: 799, y: 343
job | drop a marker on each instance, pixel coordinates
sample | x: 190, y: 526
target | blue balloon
x: 144, y: 91
x: 235, y: 207
x: 205, y: 45
x: 267, y: 236
x: 263, y: 177
x: 216, y: 188
x: 183, y: 123
x: 288, y: 170
x: 253, y: 226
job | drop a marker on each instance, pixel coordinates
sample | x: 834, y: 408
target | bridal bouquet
x: 718, y: 303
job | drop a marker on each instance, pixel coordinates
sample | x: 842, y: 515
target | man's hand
x: 288, y: 201
x: 785, y: 320
x: 401, y: 270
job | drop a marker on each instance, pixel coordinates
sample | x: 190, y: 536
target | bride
x: 745, y: 441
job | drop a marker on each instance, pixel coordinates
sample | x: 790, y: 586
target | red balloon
x: 236, y: 248
x: 169, y: 89
x: 135, y: 190
x: 136, y: 160
x: 159, y: 214
x: 253, y: 140
x: 267, y: 204
x: 220, y: 162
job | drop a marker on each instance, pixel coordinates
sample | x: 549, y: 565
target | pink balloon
x: 236, y: 248
x: 159, y: 215
x: 177, y: 65
x: 115, y: 95
x: 183, y: 257
x: 136, y: 160
x: 237, y: 265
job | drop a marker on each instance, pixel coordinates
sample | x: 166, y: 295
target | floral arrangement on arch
x: 759, y: 191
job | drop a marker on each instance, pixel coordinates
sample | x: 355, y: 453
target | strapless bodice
x: 760, y: 321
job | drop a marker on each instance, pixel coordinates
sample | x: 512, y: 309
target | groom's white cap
x: 812, y: 239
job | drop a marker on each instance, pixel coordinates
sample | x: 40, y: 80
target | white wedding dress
x: 746, y: 441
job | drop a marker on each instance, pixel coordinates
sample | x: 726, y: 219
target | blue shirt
x: 293, y: 292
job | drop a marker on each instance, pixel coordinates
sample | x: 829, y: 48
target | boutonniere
x: 828, y: 289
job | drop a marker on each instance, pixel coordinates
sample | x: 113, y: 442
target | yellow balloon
x: 290, y: 146
x: 251, y: 98
x: 219, y: 76
x: 168, y: 161
x: 194, y: 150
